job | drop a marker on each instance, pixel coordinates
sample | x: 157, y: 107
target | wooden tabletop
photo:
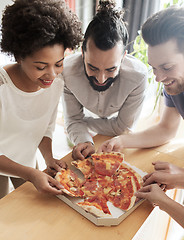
x: 26, y: 214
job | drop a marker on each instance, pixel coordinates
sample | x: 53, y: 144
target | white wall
x: 3, y: 3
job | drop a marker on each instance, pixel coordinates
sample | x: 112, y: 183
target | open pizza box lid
x: 118, y: 215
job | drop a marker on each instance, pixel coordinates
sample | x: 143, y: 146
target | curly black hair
x: 29, y: 25
x: 107, y: 27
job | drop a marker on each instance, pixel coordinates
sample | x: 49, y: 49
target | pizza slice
x: 122, y: 193
x: 97, y: 205
x: 126, y: 171
x: 71, y: 182
x: 107, y: 163
x: 85, y: 166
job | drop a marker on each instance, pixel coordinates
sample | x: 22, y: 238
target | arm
x: 154, y: 136
x: 53, y: 165
x: 76, y: 126
x: 43, y: 182
x: 74, y: 119
x: 156, y: 196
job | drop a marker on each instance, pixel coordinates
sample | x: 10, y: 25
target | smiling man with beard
x: 104, y: 86
x: 164, y: 34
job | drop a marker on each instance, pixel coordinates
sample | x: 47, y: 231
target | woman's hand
x: 44, y: 183
x: 153, y: 193
x: 166, y: 174
x: 54, y: 166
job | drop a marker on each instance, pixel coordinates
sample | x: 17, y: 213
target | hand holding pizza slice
x: 71, y: 182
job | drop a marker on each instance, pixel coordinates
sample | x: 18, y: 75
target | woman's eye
x: 40, y: 69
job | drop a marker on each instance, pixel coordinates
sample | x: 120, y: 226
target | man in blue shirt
x: 164, y: 34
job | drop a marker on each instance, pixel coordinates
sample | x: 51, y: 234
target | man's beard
x: 98, y: 88
x: 177, y: 89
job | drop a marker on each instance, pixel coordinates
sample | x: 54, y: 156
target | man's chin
x: 100, y: 88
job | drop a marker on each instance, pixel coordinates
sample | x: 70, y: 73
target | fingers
x: 147, y: 176
x: 77, y: 152
x: 62, y: 164
x: 152, y: 179
x: 54, y: 187
x: 142, y: 193
x: 83, y: 150
x: 88, y: 151
x: 46, y: 184
x: 77, y: 155
x: 161, y: 166
x: 105, y: 147
x: 56, y: 166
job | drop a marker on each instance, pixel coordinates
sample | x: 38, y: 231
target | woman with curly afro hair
x: 36, y: 33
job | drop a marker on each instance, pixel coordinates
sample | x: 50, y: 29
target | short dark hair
x: 29, y: 25
x: 165, y: 25
x: 107, y: 27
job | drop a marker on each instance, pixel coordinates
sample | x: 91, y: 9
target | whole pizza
x: 106, y: 178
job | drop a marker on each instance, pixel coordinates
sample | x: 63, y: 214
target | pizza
x: 106, y: 179
x: 122, y: 193
x: 107, y: 163
x: 71, y: 182
x: 90, y: 186
x: 127, y: 171
x: 96, y: 205
x: 85, y: 166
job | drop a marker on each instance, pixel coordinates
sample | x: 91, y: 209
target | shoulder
x: 73, y: 65
x: 3, y: 76
x: 133, y: 68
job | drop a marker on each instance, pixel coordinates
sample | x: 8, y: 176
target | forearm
x: 151, y: 137
x: 45, y: 147
x: 174, y: 209
x: 9, y: 167
x: 178, y: 180
x: 105, y: 126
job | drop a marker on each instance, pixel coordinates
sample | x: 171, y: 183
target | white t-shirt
x: 25, y: 118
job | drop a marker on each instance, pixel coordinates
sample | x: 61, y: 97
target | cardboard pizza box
x: 118, y: 215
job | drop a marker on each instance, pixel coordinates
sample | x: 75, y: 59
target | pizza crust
x: 94, y: 210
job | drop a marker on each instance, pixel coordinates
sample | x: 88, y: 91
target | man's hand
x: 112, y: 145
x: 83, y: 150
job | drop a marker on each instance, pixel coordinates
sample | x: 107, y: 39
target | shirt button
x: 100, y: 111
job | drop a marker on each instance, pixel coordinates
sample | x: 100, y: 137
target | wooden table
x: 26, y: 214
